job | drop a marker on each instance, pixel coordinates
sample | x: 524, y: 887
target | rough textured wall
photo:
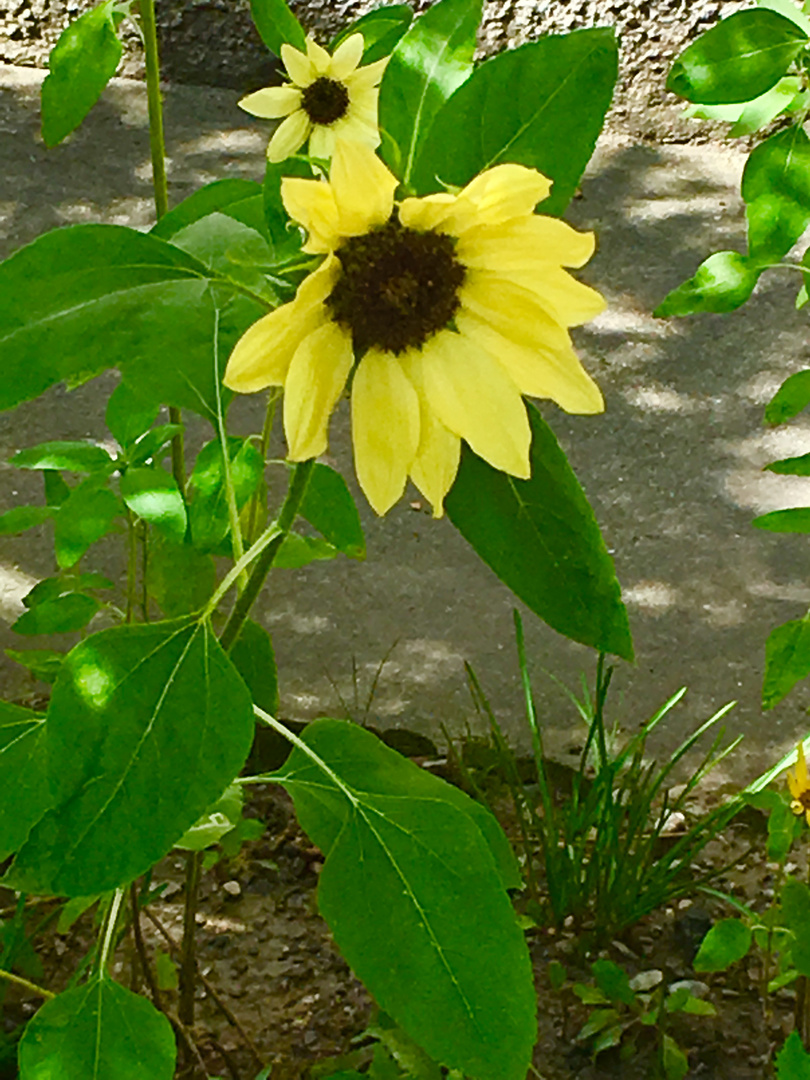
x: 213, y: 42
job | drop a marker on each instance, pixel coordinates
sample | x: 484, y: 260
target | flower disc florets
x: 399, y: 286
x: 325, y: 101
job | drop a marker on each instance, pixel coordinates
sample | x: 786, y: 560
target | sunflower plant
x: 404, y: 249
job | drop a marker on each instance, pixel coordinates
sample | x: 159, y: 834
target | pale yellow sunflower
x: 799, y: 785
x: 444, y: 310
x: 328, y: 97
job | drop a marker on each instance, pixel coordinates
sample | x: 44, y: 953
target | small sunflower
x: 799, y: 785
x: 329, y: 97
x: 441, y: 310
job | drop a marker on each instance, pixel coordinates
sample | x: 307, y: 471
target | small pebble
x: 232, y: 888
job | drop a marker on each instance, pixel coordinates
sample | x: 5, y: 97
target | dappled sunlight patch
x: 235, y: 141
x: 136, y: 212
x: 93, y: 683
x: 791, y: 591
x: 14, y: 585
x: 662, y: 399
x: 652, y: 597
x: 751, y: 488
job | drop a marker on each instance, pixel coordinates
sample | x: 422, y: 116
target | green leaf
x: 285, y: 236
x: 85, y: 298
x: 787, y: 659
x: 540, y: 537
x: 761, y: 111
x: 737, y: 60
x: 62, y: 615
x: 81, y: 457
x: 675, y: 1062
x: 590, y: 995
x: 277, y: 25
x: 795, y: 900
x: 83, y: 518
x: 613, y: 981
x: 596, y: 1022
x: 220, y: 196
x: 56, y: 490
x: 788, y: 9
x: 22, y: 518
x: 527, y: 106
x: 73, y: 910
x: 794, y: 520
x: 168, y: 977
x: 81, y: 64
x: 166, y: 712
x: 404, y: 856
x: 149, y: 445
x: 128, y: 416
x: 153, y: 494
x: 217, y: 820
x: 431, y: 61
x: 44, y: 664
x: 697, y: 1007
x: 253, y: 657
x: 793, y: 1061
x: 790, y: 399
x: 781, y: 831
x: 776, y: 189
x: 381, y: 28
x: 231, y: 249
x: 24, y: 798
x: 792, y: 466
x: 723, y: 282
x: 98, y: 1030
x: 330, y: 508
x: 728, y: 941
x: 297, y: 551
x: 410, y: 1059
x: 208, y: 505
x: 180, y: 579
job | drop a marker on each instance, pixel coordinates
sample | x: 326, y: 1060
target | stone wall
x: 213, y: 42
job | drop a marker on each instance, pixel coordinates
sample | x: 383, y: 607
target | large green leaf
x: 153, y: 494
x: 737, y: 60
x: 542, y: 540
x: 776, y: 189
x: 428, y: 64
x: 277, y: 25
x: 228, y: 247
x: 146, y: 726
x: 787, y: 660
x: 723, y: 282
x: 220, y: 195
x: 82, y: 457
x: 527, y: 106
x: 412, y: 893
x: 381, y: 29
x: 180, y: 578
x: 329, y: 506
x: 24, y: 798
x: 101, y: 1031
x: 85, y: 298
x: 81, y: 64
x: 253, y: 657
x: 792, y: 397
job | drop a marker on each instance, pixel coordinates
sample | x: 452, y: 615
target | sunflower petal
x: 385, y: 428
x: 522, y: 243
x: 567, y: 300
x: 363, y: 186
x: 554, y: 372
x: 801, y: 768
x: 474, y: 398
x: 428, y: 212
x: 315, y: 381
x: 367, y: 76
x: 346, y: 57
x: 273, y: 102
x: 318, y: 56
x: 498, y: 194
x: 312, y: 204
x: 322, y: 141
x: 289, y: 136
x: 437, y: 457
x: 299, y: 67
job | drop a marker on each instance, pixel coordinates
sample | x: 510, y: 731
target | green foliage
x: 253, y: 657
x: 221, y: 196
x: 164, y: 709
x: 277, y: 25
x: 208, y: 502
x: 794, y: 520
x: 728, y: 941
x: 219, y: 819
x: 80, y: 457
x: 329, y: 507
x: 525, y: 105
x: 793, y: 1061
x: 23, y: 802
x: 81, y: 64
x: 787, y: 659
x: 381, y: 28
x: 179, y: 578
x: 792, y: 397
x: 152, y: 494
x: 42, y: 663
x: 795, y: 901
x: 431, y: 60
x: 722, y: 283
x: 60, y: 615
x: 737, y: 60
x: 540, y: 537
x: 22, y: 518
x: 67, y: 1039
x: 776, y: 189
x: 408, y: 866
x: 83, y: 518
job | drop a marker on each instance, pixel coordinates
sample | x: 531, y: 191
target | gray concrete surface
x: 673, y: 469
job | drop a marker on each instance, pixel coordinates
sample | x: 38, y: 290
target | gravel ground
x: 214, y: 43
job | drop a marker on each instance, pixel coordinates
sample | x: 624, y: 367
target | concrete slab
x: 673, y: 469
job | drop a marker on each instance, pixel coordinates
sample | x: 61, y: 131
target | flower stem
x: 160, y: 184
x: 26, y: 985
x: 269, y: 416
x: 261, y: 568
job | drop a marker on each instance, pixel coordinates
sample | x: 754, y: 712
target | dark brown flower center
x: 398, y: 287
x: 325, y: 101
x: 804, y: 798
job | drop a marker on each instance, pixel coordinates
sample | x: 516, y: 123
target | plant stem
x: 261, y: 568
x: 269, y: 416
x: 160, y: 184
x: 132, y: 564
x: 140, y: 947
x: 188, y: 963
x: 237, y: 544
x: 26, y: 985
x: 144, y: 571
x: 109, y: 930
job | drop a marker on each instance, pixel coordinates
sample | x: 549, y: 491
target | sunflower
x: 799, y: 785
x: 442, y: 311
x: 329, y: 97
